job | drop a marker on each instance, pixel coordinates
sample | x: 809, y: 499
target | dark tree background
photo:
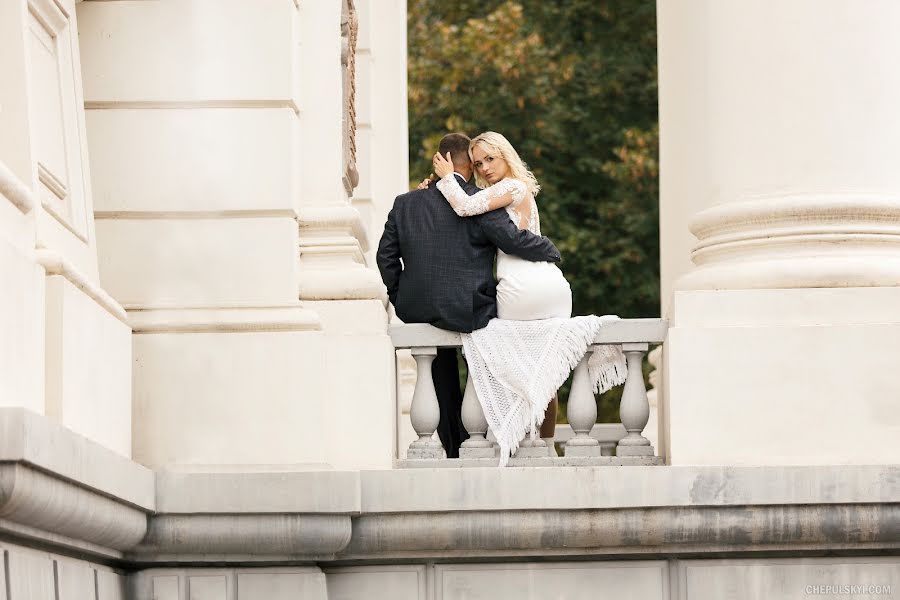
x: 572, y: 84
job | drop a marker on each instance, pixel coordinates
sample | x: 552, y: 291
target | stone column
x: 194, y: 125
x: 338, y: 278
x: 381, y: 145
x: 779, y: 139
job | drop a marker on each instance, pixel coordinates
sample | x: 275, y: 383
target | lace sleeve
x: 498, y: 195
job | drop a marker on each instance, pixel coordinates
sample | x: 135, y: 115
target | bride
x: 522, y: 357
x: 526, y: 290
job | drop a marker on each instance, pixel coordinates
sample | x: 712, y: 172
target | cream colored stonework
x: 198, y: 395
x: 225, y: 230
x: 66, y: 346
x: 780, y: 255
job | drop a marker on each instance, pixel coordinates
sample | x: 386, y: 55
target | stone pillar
x: 779, y: 138
x: 382, y: 148
x: 194, y: 125
x: 338, y: 278
x: 66, y: 345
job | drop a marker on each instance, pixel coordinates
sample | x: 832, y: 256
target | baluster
x: 634, y: 410
x: 477, y: 446
x: 582, y: 412
x: 424, y: 413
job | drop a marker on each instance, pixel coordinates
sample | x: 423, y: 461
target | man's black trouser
x: 445, y: 372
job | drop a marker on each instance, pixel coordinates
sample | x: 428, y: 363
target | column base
x: 635, y: 451
x: 783, y: 377
x: 425, y: 451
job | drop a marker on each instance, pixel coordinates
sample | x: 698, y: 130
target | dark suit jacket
x: 447, y: 274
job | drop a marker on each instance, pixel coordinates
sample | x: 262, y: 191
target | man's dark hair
x: 457, y: 144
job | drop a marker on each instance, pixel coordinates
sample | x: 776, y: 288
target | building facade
x: 198, y: 389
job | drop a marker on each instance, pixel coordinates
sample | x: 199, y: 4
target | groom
x: 439, y: 269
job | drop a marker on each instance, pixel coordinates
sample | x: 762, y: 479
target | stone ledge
x: 35, y: 440
x: 62, y: 491
x: 414, y: 335
x: 619, y: 487
x: 523, y: 534
x: 277, y: 491
x: 543, y: 461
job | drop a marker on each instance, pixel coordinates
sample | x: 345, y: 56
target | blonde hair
x: 495, y: 144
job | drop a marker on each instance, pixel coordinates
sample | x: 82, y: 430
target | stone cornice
x: 67, y: 493
x: 621, y: 532
x: 299, y: 536
x: 47, y: 503
x: 333, y: 218
x: 36, y: 441
x: 333, y: 241
x: 64, y: 490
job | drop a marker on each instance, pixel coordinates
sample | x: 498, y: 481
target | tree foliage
x: 572, y: 84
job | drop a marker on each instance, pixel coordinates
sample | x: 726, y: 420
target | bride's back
x: 524, y: 213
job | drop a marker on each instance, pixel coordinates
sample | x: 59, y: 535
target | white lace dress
x: 526, y: 290
x: 522, y: 357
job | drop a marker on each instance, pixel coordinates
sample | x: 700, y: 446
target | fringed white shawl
x: 517, y: 366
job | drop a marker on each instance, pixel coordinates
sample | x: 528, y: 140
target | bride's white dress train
x: 522, y: 357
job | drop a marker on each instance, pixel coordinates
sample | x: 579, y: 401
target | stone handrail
x: 635, y: 336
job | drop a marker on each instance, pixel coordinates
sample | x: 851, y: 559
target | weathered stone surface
x: 31, y: 438
x: 275, y: 490
x: 623, y: 532
x: 246, y: 534
x: 35, y: 499
x: 562, y: 488
x: 573, y: 581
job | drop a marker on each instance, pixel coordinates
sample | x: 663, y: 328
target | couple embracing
x: 437, y: 257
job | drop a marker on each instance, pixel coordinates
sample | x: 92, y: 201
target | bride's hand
x: 425, y: 183
x: 442, y: 166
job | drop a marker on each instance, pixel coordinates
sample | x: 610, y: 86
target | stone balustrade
x: 585, y: 441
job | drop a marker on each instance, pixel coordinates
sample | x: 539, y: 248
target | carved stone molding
x: 332, y: 262
x: 626, y: 531
x: 54, y: 264
x: 797, y: 241
x: 62, y: 489
x: 63, y: 492
x: 301, y: 535
x: 46, y: 503
x: 349, y: 34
